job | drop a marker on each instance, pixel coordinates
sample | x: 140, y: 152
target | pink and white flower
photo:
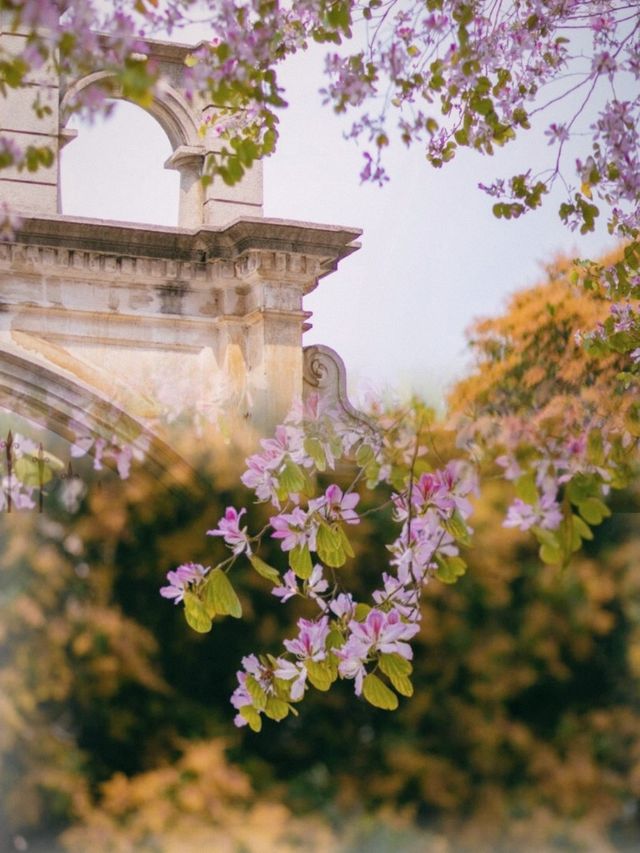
x: 310, y: 644
x: 295, y: 528
x: 288, y: 589
x: 229, y: 528
x: 335, y: 505
x: 181, y: 579
x: 296, y: 673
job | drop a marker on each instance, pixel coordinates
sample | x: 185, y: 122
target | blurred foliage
x: 523, y: 733
x: 528, y: 360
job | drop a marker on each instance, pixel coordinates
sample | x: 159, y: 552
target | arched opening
x: 114, y: 169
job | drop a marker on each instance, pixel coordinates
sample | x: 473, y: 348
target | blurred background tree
x: 524, y: 730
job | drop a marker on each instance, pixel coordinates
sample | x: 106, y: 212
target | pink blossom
x: 335, y: 505
x: 294, y: 528
x: 384, y: 632
x: 403, y: 598
x: 343, y: 606
x: 288, y: 589
x: 181, y: 579
x: 294, y: 672
x: 352, y: 664
x: 624, y: 318
x: 546, y: 514
x: 241, y: 696
x: 260, y: 478
x: 315, y: 585
x: 512, y: 469
x: 311, y: 640
x: 229, y: 528
x: 557, y: 133
x: 16, y: 494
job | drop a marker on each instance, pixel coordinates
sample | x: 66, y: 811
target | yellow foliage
x: 200, y: 802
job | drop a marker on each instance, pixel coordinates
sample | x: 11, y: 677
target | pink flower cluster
x: 347, y: 639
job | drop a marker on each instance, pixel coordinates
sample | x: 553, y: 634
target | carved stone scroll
x: 324, y: 374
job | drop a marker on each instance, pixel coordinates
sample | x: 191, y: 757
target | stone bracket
x: 324, y: 373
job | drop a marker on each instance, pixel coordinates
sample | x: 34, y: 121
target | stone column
x: 222, y: 203
x: 188, y: 160
x: 273, y: 321
x: 29, y: 117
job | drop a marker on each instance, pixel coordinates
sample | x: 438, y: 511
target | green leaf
x: 364, y: 455
x: 314, y: 449
x: 334, y: 639
x: 584, y: 531
x: 330, y: 546
x: 431, y: 125
x: 362, y: 611
x: 195, y: 613
x: 526, y: 489
x: 258, y: 696
x: 593, y: 510
x: 456, y: 527
x: 264, y: 569
x: 552, y: 555
x: 344, y: 539
x: 581, y: 487
x: 300, y: 561
x: 378, y: 694
x: 220, y: 596
x: 276, y: 709
x: 251, y: 716
x: 595, y: 447
x: 34, y: 471
x: 319, y: 674
x: 291, y: 477
x: 632, y: 419
x: 394, y: 665
x: 402, y: 684
x: 450, y: 568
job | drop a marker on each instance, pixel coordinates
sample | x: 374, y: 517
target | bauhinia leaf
x: 378, y: 694
x: 252, y: 717
x: 319, y: 674
x: 276, y: 709
x: 264, y: 569
x: 258, y: 696
x: 394, y: 665
x: 220, y: 596
x: 330, y: 546
x: 300, y: 561
x: 196, y: 614
x: 450, y: 568
x: 402, y: 684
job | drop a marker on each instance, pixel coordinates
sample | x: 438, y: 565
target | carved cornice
x: 326, y: 243
x: 247, y: 252
x: 86, y: 264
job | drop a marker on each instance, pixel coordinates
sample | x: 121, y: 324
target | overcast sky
x: 433, y: 257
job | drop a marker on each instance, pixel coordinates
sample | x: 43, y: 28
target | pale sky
x: 433, y: 257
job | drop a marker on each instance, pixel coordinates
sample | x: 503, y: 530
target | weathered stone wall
x: 208, y: 320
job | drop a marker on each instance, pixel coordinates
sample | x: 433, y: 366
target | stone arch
x: 179, y: 116
x: 180, y: 122
x: 169, y: 107
x: 50, y: 399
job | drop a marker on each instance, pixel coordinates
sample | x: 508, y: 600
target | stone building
x: 132, y: 323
